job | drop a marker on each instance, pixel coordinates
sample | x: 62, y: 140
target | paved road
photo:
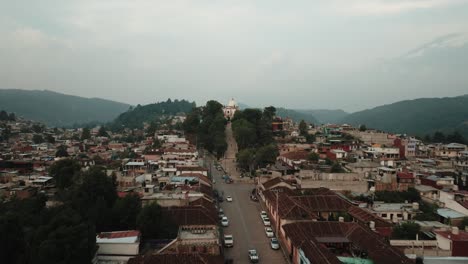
x: 244, y: 215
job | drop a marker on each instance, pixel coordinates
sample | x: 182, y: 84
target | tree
x: 61, y: 151
x: 455, y: 137
x: 407, y: 230
x: 244, y: 133
x: 336, y: 168
x: 12, y: 241
x: 463, y: 223
x: 438, y: 137
x: 102, y: 132
x: 303, y: 128
x: 192, y: 122
x: 38, y: 139
x: 245, y: 159
x: 266, y: 155
x: 362, y: 128
x: 64, y: 171
x: 38, y: 128
x: 125, y: 211
x: 269, y: 113
x: 154, y: 224
x: 86, y: 133
x: 67, y: 238
x: 314, y: 157
x: 50, y: 139
x: 3, y: 115
x: 95, y: 184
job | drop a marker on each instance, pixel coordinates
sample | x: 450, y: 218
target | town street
x: 245, y: 223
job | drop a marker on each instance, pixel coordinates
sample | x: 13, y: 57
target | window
x: 384, y: 215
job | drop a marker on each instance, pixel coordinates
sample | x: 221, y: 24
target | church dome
x: 232, y: 103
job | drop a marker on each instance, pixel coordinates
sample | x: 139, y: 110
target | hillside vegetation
x: 135, y: 117
x: 56, y: 109
x: 418, y: 117
x: 325, y: 116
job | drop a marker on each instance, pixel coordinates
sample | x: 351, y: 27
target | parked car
x: 263, y: 214
x: 253, y: 256
x: 228, y: 241
x: 224, y: 221
x: 253, y: 197
x: 274, y: 243
x: 229, y: 198
x: 220, y: 199
x: 266, y: 221
x: 269, y: 232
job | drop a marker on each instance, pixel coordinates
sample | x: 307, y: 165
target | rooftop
x: 449, y: 213
x: 130, y: 236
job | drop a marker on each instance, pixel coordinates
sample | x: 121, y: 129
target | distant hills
x: 325, y: 116
x: 295, y: 115
x: 418, y: 117
x: 56, y: 109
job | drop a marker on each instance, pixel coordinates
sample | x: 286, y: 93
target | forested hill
x: 325, y: 116
x: 418, y: 117
x: 295, y: 115
x: 56, y: 109
x: 135, y: 117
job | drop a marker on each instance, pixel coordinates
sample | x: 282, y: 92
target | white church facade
x: 230, y: 109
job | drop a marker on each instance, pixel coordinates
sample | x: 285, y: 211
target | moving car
x: 228, y: 241
x: 274, y: 243
x: 253, y: 256
x: 269, y: 232
x: 229, y: 198
x: 266, y: 221
x: 224, y: 221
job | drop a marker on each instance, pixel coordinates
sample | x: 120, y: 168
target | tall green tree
x: 154, y: 224
x: 86, y: 133
x: 303, y: 130
x: 64, y: 171
x: 38, y: 139
x: 125, y: 212
x: 61, y: 151
x: 406, y: 231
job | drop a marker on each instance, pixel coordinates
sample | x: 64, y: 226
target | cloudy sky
x: 348, y: 54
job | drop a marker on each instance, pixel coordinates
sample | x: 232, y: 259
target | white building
x: 230, y: 109
x: 117, y: 247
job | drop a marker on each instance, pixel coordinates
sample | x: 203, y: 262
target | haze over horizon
x: 335, y: 54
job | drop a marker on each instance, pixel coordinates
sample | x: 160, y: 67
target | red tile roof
x: 304, y: 235
x: 405, y: 175
x: 364, y: 216
x: 119, y: 234
x: 296, y: 155
x: 191, y: 215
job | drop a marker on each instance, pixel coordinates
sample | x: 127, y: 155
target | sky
x: 330, y: 54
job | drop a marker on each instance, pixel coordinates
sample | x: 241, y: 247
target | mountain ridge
x: 58, y: 109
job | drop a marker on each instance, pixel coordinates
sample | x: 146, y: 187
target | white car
x: 274, y: 243
x: 225, y: 221
x: 269, y: 232
x: 266, y: 221
x: 263, y: 214
x: 228, y: 241
x: 229, y: 198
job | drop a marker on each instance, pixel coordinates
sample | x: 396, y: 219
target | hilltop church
x: 230, y: 109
